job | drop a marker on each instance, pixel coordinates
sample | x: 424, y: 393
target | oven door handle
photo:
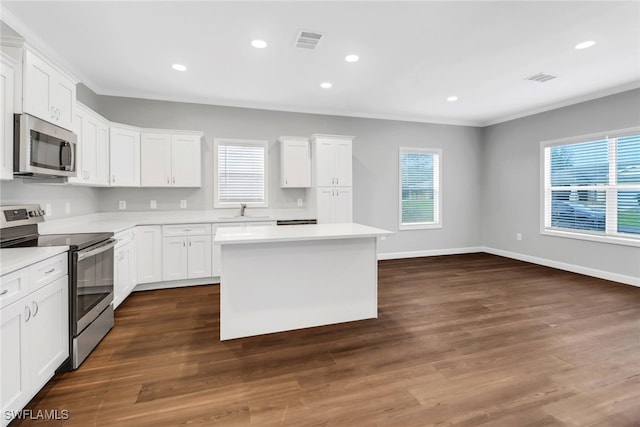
x: 95, y: 251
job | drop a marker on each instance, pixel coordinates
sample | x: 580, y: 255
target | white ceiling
x: 413, y: 55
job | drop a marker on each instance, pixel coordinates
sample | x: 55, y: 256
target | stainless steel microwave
x: 41, y: 149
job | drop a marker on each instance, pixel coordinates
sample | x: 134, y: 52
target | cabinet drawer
x: 185, y: 229
x: 13, y: 286
x: 47, y: 271
x: 125, y: 237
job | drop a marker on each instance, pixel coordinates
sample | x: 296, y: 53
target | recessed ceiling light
x: 585, y: 45
x: 325, y: 85
x: 452, y: 98
x: 351, y: 58
x: 259, y: 44
x: 179, y: 67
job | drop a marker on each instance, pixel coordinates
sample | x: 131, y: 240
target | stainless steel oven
x: 91, y: 271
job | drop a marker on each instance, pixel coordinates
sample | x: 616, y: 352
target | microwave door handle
x: 102, y: 248
x: 72, y: 156
x: 72, y: 165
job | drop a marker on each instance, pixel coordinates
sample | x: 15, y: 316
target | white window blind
x: 592, y: 187
x: 419, y: 188
x: 240, y: 172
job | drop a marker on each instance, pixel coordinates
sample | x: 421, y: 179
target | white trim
x: 231, y: 141
x: 601, y: 274
x: 430, y: 252
x: 437, y: 199
x: 170, y: 284
x: 591, y: 137
x: 613, y: 238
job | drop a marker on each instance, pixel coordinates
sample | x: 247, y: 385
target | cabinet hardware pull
x: 50, y: 271
x: 187, y: 229
x: 174, y: 179
x: 35, y: 308
x: 184, y: 244
x: 27, y: 313
x: 113, y: 178
x: 6, y: 291
x: 168, y: 180
x: 189, y: 243
x: 337, y: 181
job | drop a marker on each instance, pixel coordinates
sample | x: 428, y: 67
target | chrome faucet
x: 243, y: 206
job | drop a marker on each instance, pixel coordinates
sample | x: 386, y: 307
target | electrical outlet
x: 299, y: 202
x: 122, y: 204
x: 183, y: 204
x: 153, y: 204
x: 67, y: 207
x: 383, y: 237
x: 518, y: 236
x: 47, y: 209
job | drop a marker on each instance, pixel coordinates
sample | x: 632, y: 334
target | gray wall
x: 511, y: 182
x: 375, y: 164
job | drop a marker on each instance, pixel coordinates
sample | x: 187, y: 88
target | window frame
x: 245, y: 142
x: 611, y: 234
x: 437, y: 199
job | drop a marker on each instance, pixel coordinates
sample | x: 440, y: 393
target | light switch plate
x: 299, y: 202
x: 47, y: 209
x: 153, y: 204
x: 183, y: 204
x: 122, y: 204
x: 67, y: 207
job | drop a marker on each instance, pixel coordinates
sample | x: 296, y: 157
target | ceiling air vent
x: 308, y: 40
x: 541, y: 77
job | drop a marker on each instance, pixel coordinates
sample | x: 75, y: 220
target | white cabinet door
x: 185, y: 157
x: 324, y: 164
x: 174, y: 258
x: 78, y: 124
x: 124, y: 149
x: 199, y: 257
x: 89, y: 141
x: 342, y: 205
x: 48, y: 330
x: 124, y: 271
x: 149, y: 250
x: 295, y: 163
x: 324, y: 205
x: 155, y: 160
x: 102, y: 155
x: 343, y: 161
x: 47, y: 93
x: 6, y: 117
x: 14, y: 349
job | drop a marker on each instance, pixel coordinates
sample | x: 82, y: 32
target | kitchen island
x: 280, y: 278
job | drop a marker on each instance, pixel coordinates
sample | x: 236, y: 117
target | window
x: 240, y: 172
x: 419, y: 188
x: 592, y: 187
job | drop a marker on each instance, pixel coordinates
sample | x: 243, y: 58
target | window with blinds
x: 240, y: 172
x: 592, y: 187
x: 419, y: 188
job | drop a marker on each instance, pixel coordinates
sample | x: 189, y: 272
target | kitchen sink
x: 245, y: 217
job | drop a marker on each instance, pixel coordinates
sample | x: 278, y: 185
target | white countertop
x: 266, y: 234
x: 13, y: 259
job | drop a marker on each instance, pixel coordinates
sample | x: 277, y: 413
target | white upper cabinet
x: 6, y: 116
x: 332, y: 160
x: 170, y: 160
x: 295, y: 162
x: 124, y: 149
x: 92, y: 150
x: 47, y: 93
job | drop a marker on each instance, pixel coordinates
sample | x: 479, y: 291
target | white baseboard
x: 432, y: 252
x: 176, y: 284
x: 615, y: 277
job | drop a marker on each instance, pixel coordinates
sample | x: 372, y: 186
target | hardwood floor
x: 462, y: 340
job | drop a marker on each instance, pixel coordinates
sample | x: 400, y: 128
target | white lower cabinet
x: 333, y: 205
x: 149, y: 253
x: 186, y: 251
x: 124, y: 266
x: 34, y: 339
x: 215, y: 268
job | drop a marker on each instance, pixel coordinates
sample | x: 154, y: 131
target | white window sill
x: 421, y: 226
x: 611, y: 239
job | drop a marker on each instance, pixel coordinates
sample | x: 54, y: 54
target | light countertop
x: 13, y: 259
x: 266, y: 234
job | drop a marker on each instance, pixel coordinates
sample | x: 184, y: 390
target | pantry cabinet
x: 124, y: 156
x: 295, y: 162
x: 6, y: 116
x: 170, y: 160
x: 332, y: 160
x: 47, y: 93
x: 92, y: 149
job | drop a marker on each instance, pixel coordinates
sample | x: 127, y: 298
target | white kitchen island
x: 279, y: 278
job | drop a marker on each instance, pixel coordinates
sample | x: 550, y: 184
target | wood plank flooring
x: 462, y: 340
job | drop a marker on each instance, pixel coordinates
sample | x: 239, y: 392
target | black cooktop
x: 74, y: 241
